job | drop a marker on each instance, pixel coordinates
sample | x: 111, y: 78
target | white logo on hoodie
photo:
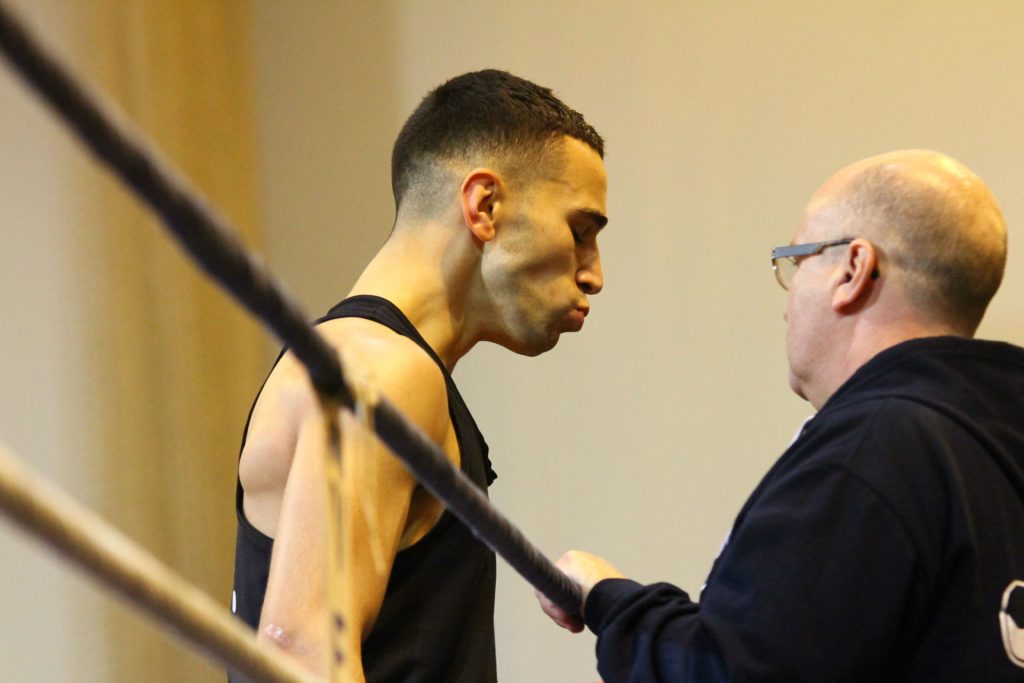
x: 1011, y: 622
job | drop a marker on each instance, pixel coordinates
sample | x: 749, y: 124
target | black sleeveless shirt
x: 437, y: 619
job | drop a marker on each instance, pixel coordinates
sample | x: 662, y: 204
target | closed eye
x: 585, y: 224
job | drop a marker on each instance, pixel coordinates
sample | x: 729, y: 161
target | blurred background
x: 126, y: 377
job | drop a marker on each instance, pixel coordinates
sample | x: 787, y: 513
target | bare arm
x: 295, y: 608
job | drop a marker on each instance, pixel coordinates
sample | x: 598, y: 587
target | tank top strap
x: 384, y: 312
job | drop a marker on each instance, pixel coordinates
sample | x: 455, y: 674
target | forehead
x: 821, y: 214
x: 581, y: 177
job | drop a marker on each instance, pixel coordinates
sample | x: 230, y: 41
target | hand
x: 587, y: 571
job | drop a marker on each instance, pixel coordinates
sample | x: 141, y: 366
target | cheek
x: 794, y: 326
x: 549, y: 263
x: 790, y: 324
x: 539, y: 260
x: 788, y: 313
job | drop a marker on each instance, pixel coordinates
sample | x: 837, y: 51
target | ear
x: 856, y: 274
x: 479, y: 195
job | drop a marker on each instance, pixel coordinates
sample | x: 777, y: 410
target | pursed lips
x: 576, y: 317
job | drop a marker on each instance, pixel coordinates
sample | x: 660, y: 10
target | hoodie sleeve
x: 812, y: 587
x: 650, y: 633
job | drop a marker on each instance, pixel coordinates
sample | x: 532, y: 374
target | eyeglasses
x: 784, y: 259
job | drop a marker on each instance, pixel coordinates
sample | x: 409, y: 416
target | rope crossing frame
x: 211, y: 241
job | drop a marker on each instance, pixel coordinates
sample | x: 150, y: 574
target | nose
x: 589, y: 277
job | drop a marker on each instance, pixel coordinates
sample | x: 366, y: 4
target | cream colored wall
x: 641, y: 437
x: 39, y: 268
x: 125, y: 373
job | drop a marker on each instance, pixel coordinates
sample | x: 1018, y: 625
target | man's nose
x: 589, y: 276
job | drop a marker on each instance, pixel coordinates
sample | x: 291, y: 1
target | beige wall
x: 639, y: 438
x: 125, y: 372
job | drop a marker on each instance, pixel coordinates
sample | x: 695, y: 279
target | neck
x: 422, y: 271
x: 867, y: 339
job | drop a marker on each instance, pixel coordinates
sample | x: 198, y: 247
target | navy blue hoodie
x: 886, y: 544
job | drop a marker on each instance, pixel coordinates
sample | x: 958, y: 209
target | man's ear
x: 856, y: 275
x: 480, y: 196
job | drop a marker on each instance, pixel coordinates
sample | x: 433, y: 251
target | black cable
x: 210, y: 240
x: 206, y: 235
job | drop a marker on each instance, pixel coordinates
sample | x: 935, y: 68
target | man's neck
x: 868, y: 341
x: 421, y: 277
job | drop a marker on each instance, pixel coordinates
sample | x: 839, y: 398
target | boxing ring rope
x: 100, y: 549
x: 210, y: 240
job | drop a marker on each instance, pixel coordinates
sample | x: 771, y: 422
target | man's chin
x: 796, y: 386
x: 544, y: 348
x: 531, y: 340
x: 535, y: 347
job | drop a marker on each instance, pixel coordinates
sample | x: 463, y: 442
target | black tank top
x: 437, y: 620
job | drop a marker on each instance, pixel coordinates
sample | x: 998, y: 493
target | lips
x: 575, y: 318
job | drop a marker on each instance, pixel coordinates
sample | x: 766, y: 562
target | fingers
x: 558, y: 615
x: 587, y: 570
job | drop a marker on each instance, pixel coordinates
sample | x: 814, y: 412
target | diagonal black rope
x: 210, y: 240
x: 205, y: 234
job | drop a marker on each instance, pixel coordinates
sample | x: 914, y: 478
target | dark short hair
x: 488, y: 114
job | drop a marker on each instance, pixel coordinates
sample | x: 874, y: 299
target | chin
x: 536, y: 350
x: 796, y: 386
x: 538, y: 344
x: 528, y: 347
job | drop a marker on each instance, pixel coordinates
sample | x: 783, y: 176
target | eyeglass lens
x: 785, y: 268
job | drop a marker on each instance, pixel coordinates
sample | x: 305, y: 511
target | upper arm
x: 285, y: 401
x: 816, y: 579
x: 811, y: 587
x: 373, y: 516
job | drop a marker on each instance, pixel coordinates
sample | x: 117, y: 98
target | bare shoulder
x: 373, y: 355
x: 395, y: 366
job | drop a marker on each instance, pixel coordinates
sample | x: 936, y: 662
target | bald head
x: 936, y: 225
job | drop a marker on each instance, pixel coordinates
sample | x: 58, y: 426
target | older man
x: 887, y: 543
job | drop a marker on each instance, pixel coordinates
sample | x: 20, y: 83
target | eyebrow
x: 594, y: 216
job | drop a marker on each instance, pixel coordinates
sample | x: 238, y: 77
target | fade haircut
x: 950, y: 241
x: 486, y: 117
